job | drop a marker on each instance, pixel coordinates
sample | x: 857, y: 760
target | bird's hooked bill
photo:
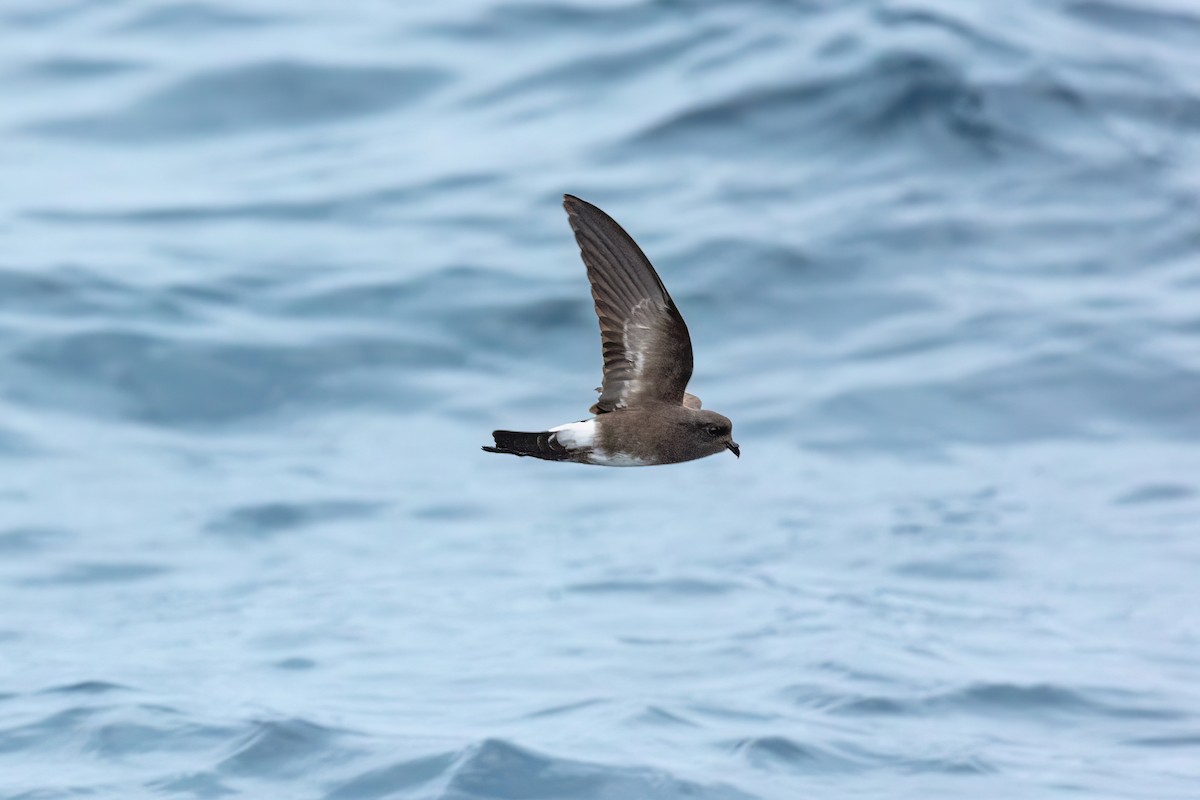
x: 737, y: 451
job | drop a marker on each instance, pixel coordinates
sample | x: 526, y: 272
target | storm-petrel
x: 644, y: 415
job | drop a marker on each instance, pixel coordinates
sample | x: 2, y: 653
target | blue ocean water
x: 270, y: 273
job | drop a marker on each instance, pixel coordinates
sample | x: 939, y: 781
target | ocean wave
x: 272, y: 274
x: 254, y: 97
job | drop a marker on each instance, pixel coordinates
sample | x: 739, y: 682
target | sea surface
x: 271, y: 271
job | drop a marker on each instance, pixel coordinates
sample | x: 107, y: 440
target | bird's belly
x: 604, y: 459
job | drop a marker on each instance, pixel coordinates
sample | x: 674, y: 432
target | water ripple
x: 269, y: 519
x: 251, y: 98
x: 168, y: 381
x: 497, y: 769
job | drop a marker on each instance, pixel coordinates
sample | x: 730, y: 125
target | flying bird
x: 644, y: 415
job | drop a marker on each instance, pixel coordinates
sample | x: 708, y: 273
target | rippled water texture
x: 270, y: 273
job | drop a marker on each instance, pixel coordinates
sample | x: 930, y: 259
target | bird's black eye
x: 713, y: 430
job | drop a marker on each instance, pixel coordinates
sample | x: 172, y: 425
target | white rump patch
x: 582, y: 436
x: 576, y: 435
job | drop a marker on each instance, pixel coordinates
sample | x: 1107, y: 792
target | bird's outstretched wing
x: 647, y: 350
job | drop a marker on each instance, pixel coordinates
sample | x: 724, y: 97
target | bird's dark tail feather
x: 539, y: 445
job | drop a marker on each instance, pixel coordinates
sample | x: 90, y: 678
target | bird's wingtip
x: 575, y: 205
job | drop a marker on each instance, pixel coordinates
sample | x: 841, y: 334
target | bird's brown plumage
x: 646, y: 346
x: 644, y: 415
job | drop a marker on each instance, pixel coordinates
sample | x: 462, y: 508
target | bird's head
x: 713, y: 433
